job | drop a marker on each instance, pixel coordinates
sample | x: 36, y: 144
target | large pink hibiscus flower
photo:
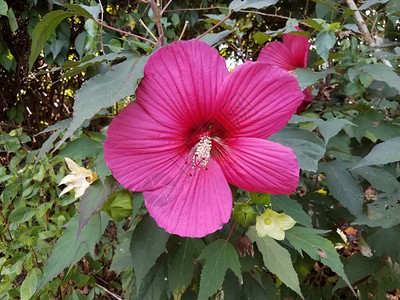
x: 289, y: 55
x: 195, y: 128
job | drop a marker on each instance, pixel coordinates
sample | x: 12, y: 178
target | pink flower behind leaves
x: 195, y: 128
x: 289, y: 55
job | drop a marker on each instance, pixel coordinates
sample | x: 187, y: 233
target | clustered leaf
x: 147, y: 244
x: 277, y: 259
x: 219, y: 256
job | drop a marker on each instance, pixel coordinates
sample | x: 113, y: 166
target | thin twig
x: 183, y: 30
x: 101, y: 27
x: 155, y: 8
x: 6, y: 225
x: 215, y: 26
x: 126, y: 33
x: 271, y: 15
x: 165, y: 7
x: 36, y: 259
x: 147, y: 29
x: 108, y: 292
x: 230, y: 232
x: 190, y: 9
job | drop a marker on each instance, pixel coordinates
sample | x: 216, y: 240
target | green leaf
x: 232, y: 286
x: 292, y: 208
x: 69, y: 251
x: 21, y: 214
x: 180, y: 273
x: 219, y: 255
x: 79, y: 66
x: 95, y: 195
x: 375, y: 123
x: 315, y: 23
x: 48, y: 144
x: 331, y: 127
x: 237, y: 5
x: 382, y: 72
x: 378, y: 178
x: 328, y: 128
x: 384, y: 212
x: 277, y: 259
x: 12, y: 20
x: 28, y: 287
x: 114, y: 45
x: 370, y: 3
x: 385, y: 242
x: 90, y: 12
x: 122, y: 255
x: 260, y: 37
x: 148, y: 242
x: 343, y: 186
x: 252, y: 289
x: 324, y: 42
x: 43, y: 30
x: 357, y: 267
x: 309, y: 241
x: 260, y: 198
x: 104, y: 90
x: 383, y: 153
x: 154, y: 284
x: 213, y: 38
x: 3, y: 8
x: 308, y: 148
x: 81, y: 148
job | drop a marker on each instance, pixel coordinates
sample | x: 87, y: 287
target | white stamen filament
x: 203, y: 152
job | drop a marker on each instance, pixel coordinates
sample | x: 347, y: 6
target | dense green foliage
x: 105, y: 244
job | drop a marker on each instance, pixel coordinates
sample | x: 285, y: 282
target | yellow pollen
x: 203, y: 152
x: 267, y: 221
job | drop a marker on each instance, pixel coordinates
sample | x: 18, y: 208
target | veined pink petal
x: 181, y: 82
x: 140, y: 151
x: 195, y: 203
x: 258, y: 100
x: 299, y: 49
x: 276, y: 54
x: 259, y: 165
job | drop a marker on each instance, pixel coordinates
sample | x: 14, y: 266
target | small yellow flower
x: 273, y: 224
x: 78, y: 180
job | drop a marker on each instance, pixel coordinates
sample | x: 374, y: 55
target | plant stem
x: 195, y: 9
x: 157, y: 17
x: 125, y: 32
x: 364, y: 29
x: 108, y: 292
x: 271, y: 15
x: 147, y: 29
x: 215, y: 26
x: 230, y: 232
x: 101, y: 27
x: 165, y: 7
x: 361, y: 24
x: 183, y: 30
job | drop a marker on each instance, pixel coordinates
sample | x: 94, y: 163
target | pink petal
x: 308, y: 98
x: 195, y: 203
x: 259, y: 165
x: 181, y: 82
x: 276, y: 54
x: 258, y: 100
x: 140, y: 151
x: 299, y: 48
